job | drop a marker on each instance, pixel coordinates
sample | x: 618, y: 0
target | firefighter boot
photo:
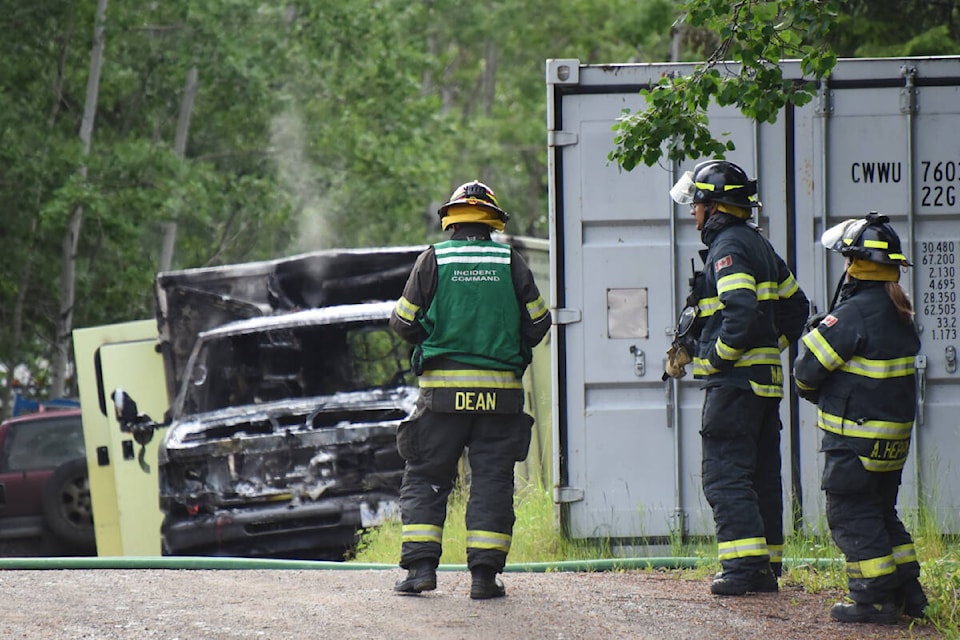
x: 485, y: 583
x: 737, y: 583
x: 885, y: 613
x: 421, y: 576
x: 912, y: 599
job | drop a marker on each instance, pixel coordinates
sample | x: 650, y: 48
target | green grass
x: 537, y: 539
x: 536, y: 535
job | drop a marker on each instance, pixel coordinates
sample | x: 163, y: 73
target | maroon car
x: 45, y: 503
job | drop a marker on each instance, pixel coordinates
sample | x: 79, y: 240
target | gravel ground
x: 221, y: 604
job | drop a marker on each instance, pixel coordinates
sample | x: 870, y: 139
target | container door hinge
x: 824, y: 102
x: 678, y: 524
x: 908, y: 95
x: 563, y: 495
x: 566, y: 316
x: 561, y: 138
x: 920, y: 363
x: 950, y: 357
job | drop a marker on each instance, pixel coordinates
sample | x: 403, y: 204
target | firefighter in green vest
x: 474, y: 312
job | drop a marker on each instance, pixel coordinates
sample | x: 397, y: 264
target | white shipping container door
x: 628, y: 444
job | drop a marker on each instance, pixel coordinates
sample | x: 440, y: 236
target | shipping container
x: 881, y: 135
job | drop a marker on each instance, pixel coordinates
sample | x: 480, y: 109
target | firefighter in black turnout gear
x: 749, y: 309
x: 858, y: 365
x: 473, y: 311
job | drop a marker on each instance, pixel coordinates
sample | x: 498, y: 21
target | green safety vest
x: 474, y: 317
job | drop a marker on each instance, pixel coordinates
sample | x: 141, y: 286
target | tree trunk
x: 676, y: 42
x: 71, y: 239
x: 180, y: 148
x: 488, y: 79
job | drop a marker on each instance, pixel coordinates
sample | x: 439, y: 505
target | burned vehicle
x: 282, y: 432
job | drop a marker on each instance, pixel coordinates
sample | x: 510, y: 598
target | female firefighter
x: 857, y: 365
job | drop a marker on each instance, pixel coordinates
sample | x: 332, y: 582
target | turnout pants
x: 862, y: 514
x: 740, y: 436
x: 431, y: 444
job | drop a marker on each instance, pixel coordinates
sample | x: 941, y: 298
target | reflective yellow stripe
x: 743, y: 548
x: 488, y: 540
x: 881, y: 466
x: 904, y: 553
x: 788, y: 287
x: 706, y: 186
x: 760, y: 355
x: 768, y: 356
x: 822, y: 350
x: 736, y: 281
x: 725, y: 351
x: 766, y: 390
x: 709, y: 306
x: 422, y: 533
x: 783, y: 343
x: 702, y: 367
x: 406, y: 310
x: 776, y: 552
x: 873, y: 568
x: 882, y: 429
x: 880, y: 369
x: 537, y: 308
x: 767, y: 291
x: 475, y: 378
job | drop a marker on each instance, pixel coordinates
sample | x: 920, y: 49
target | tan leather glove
x: 677, y: 359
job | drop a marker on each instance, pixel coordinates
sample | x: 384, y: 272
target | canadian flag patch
x: 725, y: 261
x: 829, y: 320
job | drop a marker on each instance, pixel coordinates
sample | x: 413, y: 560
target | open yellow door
x: 123, y: 479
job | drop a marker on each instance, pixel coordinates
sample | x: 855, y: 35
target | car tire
x: 67, y: 507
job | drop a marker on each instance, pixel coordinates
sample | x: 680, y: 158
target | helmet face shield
x: 869, y: 238
x: 685, y: 188
x: 839, y: 235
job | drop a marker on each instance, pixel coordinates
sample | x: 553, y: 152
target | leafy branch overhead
x: 751, y: 37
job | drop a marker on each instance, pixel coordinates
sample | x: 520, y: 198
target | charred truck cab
x: 287, y: 389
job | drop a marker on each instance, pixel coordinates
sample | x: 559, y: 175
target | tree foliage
x: 314, y: 124
x: 323, y: 123
x: 878, y: 28
x: 754, y: 35
x: 741, y: 44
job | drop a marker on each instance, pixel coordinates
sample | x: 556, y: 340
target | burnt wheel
x: 67, y: 508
